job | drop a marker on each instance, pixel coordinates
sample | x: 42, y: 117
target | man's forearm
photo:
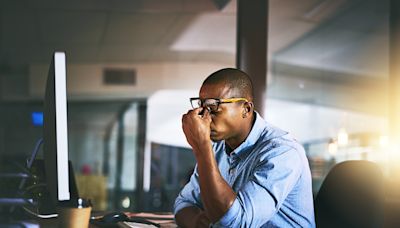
x: 192, y: 217
x: 216, y: 194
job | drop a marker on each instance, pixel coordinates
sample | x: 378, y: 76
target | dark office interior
x: 330, y: 77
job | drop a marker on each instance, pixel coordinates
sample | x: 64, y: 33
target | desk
x: 165, y: 220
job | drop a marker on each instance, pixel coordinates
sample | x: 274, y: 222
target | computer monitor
x: 55, y: 135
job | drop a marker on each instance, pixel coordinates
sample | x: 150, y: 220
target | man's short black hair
x: 236, y: 79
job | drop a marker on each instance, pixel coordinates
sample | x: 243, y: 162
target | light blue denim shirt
x: 269, y: 172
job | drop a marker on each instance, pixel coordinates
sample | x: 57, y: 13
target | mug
x: 74, y: 213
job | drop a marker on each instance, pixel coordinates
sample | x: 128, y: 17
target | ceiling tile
x: 137, y: 28
x: 209, y: 32
x: 72, y: 27
x: 124, y: 53
x: 19, y: 28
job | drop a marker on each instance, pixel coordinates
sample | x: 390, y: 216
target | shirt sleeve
x: 261, y: 197
x: 190, y: 194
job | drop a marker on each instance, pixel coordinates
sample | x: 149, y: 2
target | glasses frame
x: 219, y: 101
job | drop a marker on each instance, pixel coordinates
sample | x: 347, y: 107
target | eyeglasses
x: 213, y: 103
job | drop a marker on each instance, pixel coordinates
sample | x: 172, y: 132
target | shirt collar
x: 252, y: 138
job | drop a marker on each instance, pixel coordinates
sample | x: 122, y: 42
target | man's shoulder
x: 275, y: 141
x: 275, y: 135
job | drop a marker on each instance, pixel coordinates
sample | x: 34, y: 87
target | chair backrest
x: 352, y: 195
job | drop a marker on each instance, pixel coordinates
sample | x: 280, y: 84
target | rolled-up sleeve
x: 189, y: 195
x: 261, y: 197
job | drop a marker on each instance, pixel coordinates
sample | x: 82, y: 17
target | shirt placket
x: 233, y: 163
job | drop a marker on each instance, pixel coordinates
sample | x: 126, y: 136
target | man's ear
x: 247, y: 109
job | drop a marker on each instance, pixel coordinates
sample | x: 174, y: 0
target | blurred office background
x: 133, y: 64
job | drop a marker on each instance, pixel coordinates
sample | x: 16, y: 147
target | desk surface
x: 165, y: 220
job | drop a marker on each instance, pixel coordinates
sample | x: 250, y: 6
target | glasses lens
x: 196, y: 103
x: 211, y: 104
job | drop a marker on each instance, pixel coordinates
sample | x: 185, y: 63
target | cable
x: 29, y: 211
x: 29, y: 188
x: 22, y: 168
x: 39, y: 215
x: 30, y: 162
x: 34, y: 153
x: 33, y: 187
x: 28, y: 167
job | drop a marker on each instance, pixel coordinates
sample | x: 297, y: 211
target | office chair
x: 352, y: 195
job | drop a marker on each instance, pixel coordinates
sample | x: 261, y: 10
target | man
x: 252, y: 174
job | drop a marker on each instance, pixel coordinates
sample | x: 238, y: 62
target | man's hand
x: 197, y: 128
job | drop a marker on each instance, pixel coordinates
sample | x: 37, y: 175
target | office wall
x: 22, y: 91
x: 304, y: 121
x: 14, y: 85
x: 85, y: 81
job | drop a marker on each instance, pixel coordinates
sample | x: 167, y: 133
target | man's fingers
x: 196, y: 115
x: 206, y: 114
x: 197, y: 111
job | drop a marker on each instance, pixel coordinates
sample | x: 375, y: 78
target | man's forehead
x: 220, y: 90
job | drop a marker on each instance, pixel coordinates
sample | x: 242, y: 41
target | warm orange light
x: 383, y: 140
x: 332, y: 148
x: 343, y: 137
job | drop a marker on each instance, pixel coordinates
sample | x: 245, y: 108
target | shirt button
x: 231, y: 171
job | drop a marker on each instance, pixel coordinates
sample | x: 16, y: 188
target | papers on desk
x: 145, y: 219
x: 134, y: 225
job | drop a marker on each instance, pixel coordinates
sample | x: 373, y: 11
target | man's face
x: 227, y: 121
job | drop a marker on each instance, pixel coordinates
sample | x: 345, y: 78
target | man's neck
x: 234, y: 143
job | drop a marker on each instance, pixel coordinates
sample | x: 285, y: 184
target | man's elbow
x: 191, y: 217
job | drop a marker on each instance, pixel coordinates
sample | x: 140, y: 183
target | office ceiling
x: 135, y: 30
x: 320, y: 51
